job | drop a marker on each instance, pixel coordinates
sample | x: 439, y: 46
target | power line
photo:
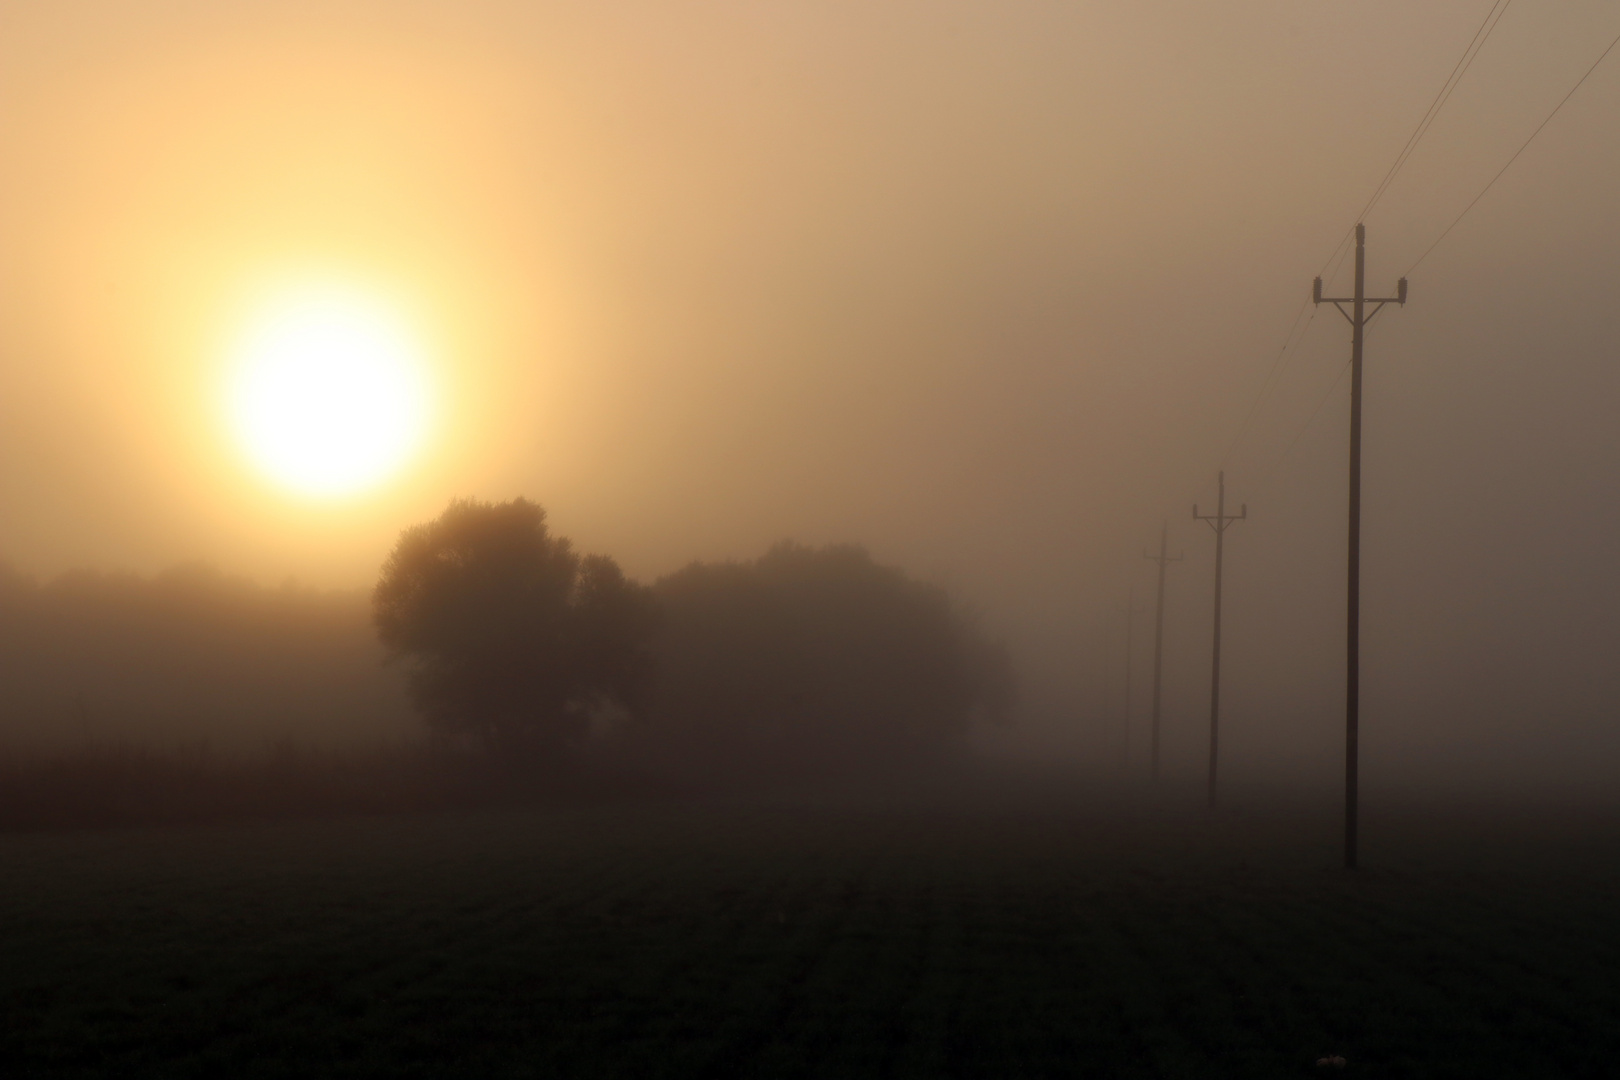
x: 1482, y: 34
x: 1487, y: 27
x: 1515, y: 156
x: 1464, y: 62
x: 1289, y: 342
x: 1310, y: 422
x: 1336, y: 260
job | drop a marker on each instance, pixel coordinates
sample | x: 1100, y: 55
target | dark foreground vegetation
x: 131, y: 785
x: 963, y: 925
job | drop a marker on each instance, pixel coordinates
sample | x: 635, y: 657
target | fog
x: 993, y: 291
x: 194, y: 662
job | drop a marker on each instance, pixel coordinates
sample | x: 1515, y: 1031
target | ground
x: 975, y: 928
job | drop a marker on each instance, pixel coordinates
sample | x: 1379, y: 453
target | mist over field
x: 993, y: 294
x: 545, y: 538
x: 188, y: 658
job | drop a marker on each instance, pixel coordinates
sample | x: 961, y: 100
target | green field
x: 967, y: 929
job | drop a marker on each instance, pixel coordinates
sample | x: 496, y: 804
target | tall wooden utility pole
x: 1218, y: 521
x: 1163, y: 559
x: 1359, y: 318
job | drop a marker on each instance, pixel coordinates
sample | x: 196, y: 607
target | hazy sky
x: 990, y: 288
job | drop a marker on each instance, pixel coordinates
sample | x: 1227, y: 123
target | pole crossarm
x: 1351, y: 319
x: 1399, y: 299
x: 1220, y: 522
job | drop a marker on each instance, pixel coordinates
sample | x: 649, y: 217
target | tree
x: 817, y: 657
x: 509, y: 634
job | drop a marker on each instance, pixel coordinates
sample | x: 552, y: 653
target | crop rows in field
x: 738, y: 939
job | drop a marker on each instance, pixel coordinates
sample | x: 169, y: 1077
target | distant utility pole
x: 1164, y: 560
x: 1359, y: 317
x: 1130, y: 633
x: 1217, y: 521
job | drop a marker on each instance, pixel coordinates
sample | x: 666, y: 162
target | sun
x: 327, y: 393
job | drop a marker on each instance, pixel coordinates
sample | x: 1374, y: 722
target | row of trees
x: 511, y: 637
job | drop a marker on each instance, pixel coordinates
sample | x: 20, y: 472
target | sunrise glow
x: 328, y: 391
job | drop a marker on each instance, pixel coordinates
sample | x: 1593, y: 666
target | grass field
x: 981, y: 928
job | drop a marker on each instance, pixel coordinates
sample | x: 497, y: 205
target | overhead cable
x: 1458, y: 70
x: 1515, y: 156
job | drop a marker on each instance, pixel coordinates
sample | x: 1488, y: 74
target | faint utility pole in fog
x: 1164, y: 560
x: 1359, y: 317
x: 1130, y: 628
x: 1106, y: 668
x: 1217, y: 521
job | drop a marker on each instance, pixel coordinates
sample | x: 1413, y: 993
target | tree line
x: 514, y: 642
x: 506, y: 639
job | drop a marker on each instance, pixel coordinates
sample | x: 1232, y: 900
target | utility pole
x: 1359, y: 317
x: 1163, y: 559
x: 1130, y: 628
x: 1219, y: 522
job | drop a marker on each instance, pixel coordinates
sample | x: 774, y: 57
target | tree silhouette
x: 510, y: 635
x: 817, y: 657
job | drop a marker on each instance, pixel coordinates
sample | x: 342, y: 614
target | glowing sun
x: 328, y: 391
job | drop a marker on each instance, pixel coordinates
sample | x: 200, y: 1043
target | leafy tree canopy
x: 819, y: 654
x: 509, y: 634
